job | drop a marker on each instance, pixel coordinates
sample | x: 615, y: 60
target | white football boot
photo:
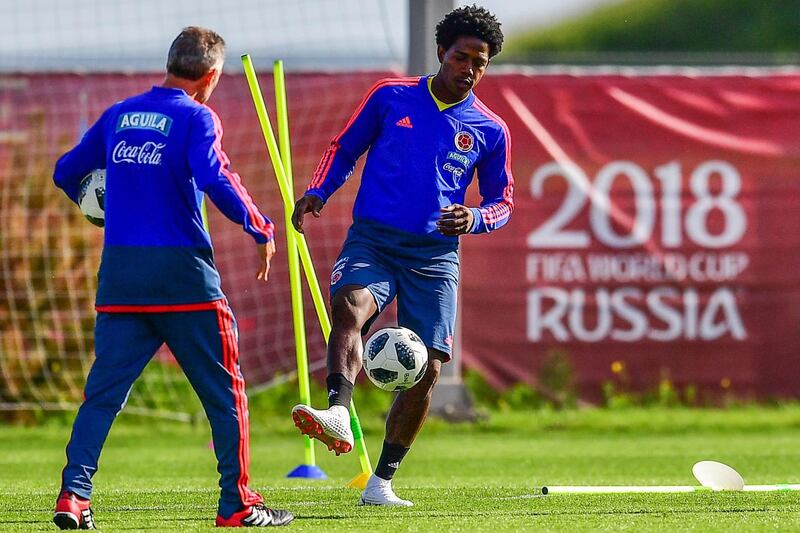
x: 379, y: 492
x: 331, y: 426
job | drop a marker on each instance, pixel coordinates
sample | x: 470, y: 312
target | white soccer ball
x: 395, y: 358
x: 91, y: 198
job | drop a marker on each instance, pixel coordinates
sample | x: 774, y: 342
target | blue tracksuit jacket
x: 161, y: 150
x: 420, y: 159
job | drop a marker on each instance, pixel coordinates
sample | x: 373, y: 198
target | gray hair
x: 194, y: 52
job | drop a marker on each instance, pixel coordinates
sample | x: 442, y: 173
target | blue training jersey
x: 162, y: 151
x: 420, y: 159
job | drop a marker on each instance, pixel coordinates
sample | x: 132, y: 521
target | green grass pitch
x: 161, y: 476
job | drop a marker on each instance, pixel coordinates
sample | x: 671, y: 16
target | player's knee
x: 352, y: 308
x: 434, y: 369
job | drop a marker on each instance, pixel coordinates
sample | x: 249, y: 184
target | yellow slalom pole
x: 204, y: 214
x: 316, y: 292
x: 309, y: 469
x: 305, y: 257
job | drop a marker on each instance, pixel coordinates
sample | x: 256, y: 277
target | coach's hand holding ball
x: 91, y: 197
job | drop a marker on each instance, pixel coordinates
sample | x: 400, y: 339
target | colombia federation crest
x: 464, y: 141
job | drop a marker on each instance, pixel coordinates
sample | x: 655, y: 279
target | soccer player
x: 157, y: 280
x: 426, y: 138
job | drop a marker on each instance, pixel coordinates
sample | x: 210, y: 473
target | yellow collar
x: 441, y: 105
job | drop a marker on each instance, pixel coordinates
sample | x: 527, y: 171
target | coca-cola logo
x: 148, y: 153
x: 456, y: 171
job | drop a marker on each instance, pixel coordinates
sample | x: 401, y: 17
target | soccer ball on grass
x: 395, y: 358
x: 91, y: 197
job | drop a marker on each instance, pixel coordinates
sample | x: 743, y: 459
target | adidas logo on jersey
x: 404, y: 122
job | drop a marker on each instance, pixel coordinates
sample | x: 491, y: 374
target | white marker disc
x: 717, y: 476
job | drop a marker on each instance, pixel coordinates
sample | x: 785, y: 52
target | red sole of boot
x: 308, y: 426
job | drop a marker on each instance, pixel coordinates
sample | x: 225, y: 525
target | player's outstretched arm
x: 307, y: 204
x: 210, y: 167
x: 339, y: 160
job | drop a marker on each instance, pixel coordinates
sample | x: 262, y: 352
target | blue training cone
x: 308, y: 472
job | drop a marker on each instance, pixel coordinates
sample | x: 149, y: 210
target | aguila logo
x: 464, y: 141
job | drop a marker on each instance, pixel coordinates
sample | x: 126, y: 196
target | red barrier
x: 655, y: 227
x: 655, y: 224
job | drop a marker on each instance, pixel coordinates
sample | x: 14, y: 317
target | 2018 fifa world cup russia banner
x: 656, y: 234
x: 656, y: 231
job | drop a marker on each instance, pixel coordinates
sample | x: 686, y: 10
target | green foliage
x: 619, y: 394
x: 557, y: 376
x: 670, y: 26
x: 554, y: 388
x: 163, y: 388
x: 484, y: 394
x: 49, y: 259
x: 518, y: 396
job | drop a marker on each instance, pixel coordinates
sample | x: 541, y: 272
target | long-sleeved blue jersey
x: 161, y: 150
x: 420, y: 159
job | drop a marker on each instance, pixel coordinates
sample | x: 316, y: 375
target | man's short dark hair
x: 194, y: 52
x: 472, y: 21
